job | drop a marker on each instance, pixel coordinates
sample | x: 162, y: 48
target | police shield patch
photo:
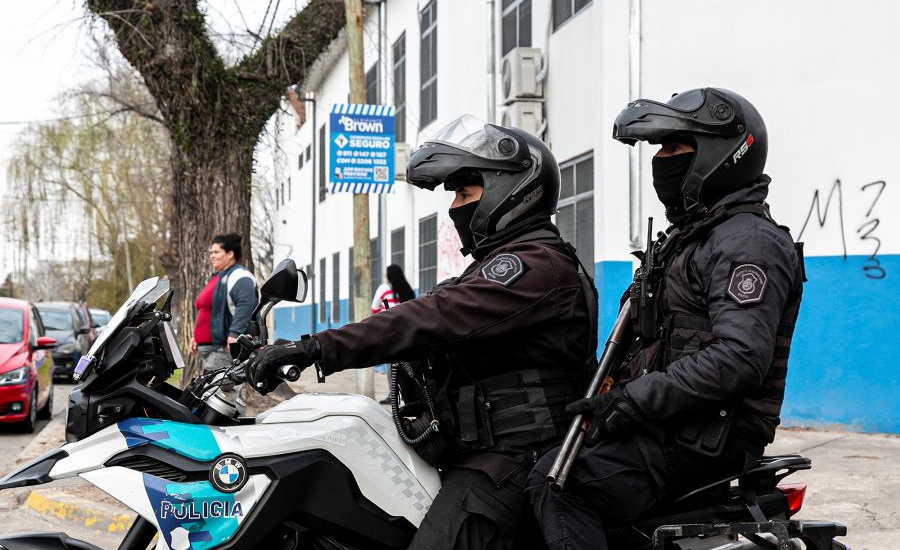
x: 504, y: 269
x: 747, y: 283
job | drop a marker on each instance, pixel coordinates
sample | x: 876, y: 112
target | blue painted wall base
x: 845, y: 348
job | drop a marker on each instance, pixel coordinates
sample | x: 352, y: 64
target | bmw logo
x: 229, y: 473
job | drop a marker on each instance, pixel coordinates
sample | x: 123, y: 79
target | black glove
x: 263, y: 364
x: 614, y: 413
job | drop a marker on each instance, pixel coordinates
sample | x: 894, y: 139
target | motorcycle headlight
x: 15, y: 376
x: 65, y: 349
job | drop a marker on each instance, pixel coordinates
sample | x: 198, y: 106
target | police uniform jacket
x: 520, y: 307
x: 729, y: 302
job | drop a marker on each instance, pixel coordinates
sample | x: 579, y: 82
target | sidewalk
x: 855, y: 479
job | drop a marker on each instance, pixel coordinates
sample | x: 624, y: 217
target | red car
x: 26, y: 368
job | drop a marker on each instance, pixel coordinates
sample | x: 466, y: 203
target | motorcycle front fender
x: 43, y: 541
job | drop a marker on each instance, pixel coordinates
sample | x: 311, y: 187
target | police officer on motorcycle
x: 503, y: 348
x: 700, y: 389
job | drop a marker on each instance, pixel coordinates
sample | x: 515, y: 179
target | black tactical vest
x: 515, y: 411
x: 683, y: 328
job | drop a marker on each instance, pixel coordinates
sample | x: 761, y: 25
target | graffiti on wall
x: 450, y: 262
x: 866, y: 232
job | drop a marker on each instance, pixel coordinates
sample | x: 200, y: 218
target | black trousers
x: 471, y: 512
x: 616, y: 481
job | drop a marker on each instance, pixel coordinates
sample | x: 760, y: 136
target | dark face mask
x: 668, y: 173
x: 462, y: 220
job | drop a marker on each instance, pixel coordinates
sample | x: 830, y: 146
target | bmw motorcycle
x: 316, y: 472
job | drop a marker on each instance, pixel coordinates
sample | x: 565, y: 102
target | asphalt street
x: 12, y: 440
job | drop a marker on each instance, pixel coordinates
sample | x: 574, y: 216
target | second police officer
x: 504, y: 347
x: 714, y: 304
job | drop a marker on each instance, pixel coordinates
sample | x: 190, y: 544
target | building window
x: 308, y: 149
x: 427, y: 253
x: 336, y: 287
x: 375, y: 271
x: 428, y: 64
x: 575, y: 217
x: 351, y: 310
x: 400, y: 88
x: 398, y: 248
x: 563, y: 10
x: 321, y: 277
x: 516, y: 24
x: 372, y: 85
x: 323, y: 185
x: 300, y: 161
x: 290, y: 191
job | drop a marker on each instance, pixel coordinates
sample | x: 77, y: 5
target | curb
x: 63, y: 506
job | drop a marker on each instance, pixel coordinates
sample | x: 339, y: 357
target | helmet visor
x: 693, y: 112
x: 478, y: 138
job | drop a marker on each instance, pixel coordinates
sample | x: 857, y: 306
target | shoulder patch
x: 747, y: 283
x: 503, y: 268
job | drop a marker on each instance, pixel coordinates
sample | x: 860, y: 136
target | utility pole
x: 365, y: 378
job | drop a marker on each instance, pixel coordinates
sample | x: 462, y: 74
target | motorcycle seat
x: 761, y: 479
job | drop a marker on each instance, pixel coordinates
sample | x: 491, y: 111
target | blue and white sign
x: 362, y: 148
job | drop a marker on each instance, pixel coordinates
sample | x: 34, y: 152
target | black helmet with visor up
x: 728, y: 133
x: 519, y: 174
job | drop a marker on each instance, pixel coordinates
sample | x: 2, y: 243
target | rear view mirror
x: 84, y: 330
x: 286, y: 283
x: 45, y: 342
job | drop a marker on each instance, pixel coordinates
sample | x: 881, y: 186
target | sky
x: 46, y: 49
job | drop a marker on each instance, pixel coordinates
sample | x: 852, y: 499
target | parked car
x: 65, y: 323
x: 26, y: 366
x: 100, y: 317
x: 84, y: 316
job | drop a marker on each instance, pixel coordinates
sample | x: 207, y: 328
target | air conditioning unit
x: 525, y: 115
x: 402, y: 151
x: 519, y: 70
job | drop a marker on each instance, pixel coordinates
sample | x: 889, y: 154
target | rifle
x: 599, y: 384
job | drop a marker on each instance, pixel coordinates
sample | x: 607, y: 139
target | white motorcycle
x: 320, y: 471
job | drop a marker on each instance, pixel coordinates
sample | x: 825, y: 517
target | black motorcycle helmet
x: 726, y: 130
x: 519, y: 173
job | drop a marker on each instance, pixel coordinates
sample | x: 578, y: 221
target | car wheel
x: 47, y: 410
x: 30, y: 421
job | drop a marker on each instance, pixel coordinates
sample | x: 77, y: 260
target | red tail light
x: 794, y: 493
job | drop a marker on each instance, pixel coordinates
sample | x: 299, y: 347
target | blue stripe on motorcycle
x: 194, y: 441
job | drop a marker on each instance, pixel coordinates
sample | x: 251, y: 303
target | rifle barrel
x: 559, y: 471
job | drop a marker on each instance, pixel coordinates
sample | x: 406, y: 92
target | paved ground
x: 855, y: 480
x: 12, y: 441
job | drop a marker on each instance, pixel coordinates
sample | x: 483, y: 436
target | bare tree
x: 93, y: 188
x: 214, y: 112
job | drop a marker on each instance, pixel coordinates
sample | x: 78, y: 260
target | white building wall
x: 823, y: 74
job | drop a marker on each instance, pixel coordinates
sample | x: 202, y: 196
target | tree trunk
x: 212, y: 190
x: 214, y: 115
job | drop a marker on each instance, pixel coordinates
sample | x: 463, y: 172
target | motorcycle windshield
x: 148, y: 291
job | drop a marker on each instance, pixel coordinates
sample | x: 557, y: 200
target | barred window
x: 321, y: 279
x: 351, y: 309
x: 575, y: 217
x: 375, y: 272
x: 427, y: 253
x: 336, y: 288
x: 398, y: 248
x: 399, y: 48
x: 563, y: 10
x: 516, y: 30
x: 428, y: 64
x: 372, y: 94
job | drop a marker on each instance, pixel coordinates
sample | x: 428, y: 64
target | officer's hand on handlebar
x: 263, y: 366
x: 614, y: 413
